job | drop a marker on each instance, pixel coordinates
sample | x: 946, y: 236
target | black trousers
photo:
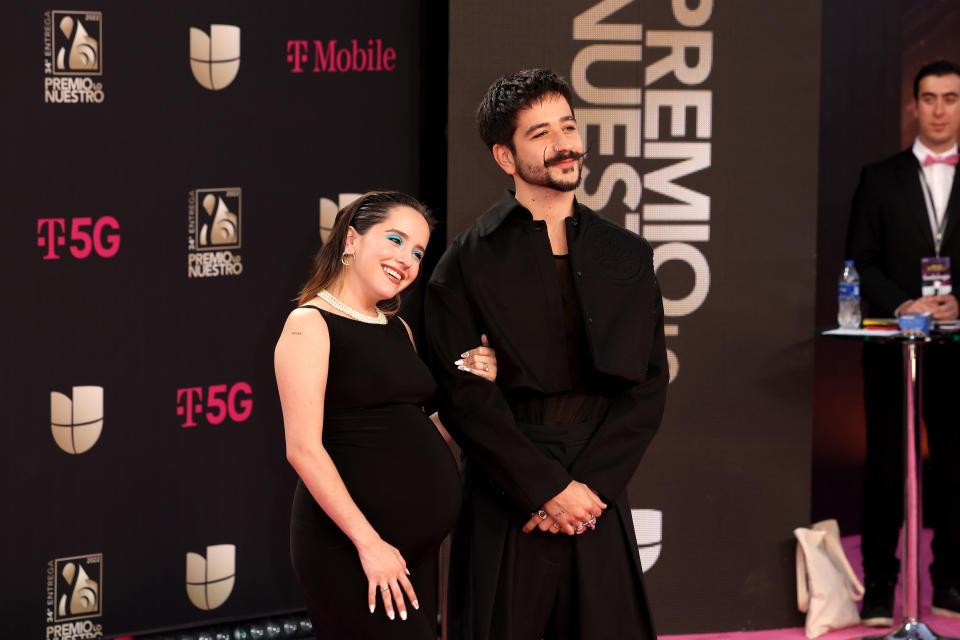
x: 508, y: 585
x: 883, y: 481
x: 560, y: 587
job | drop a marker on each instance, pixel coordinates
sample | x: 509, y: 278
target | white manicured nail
x: 464, y: 354
x: 390, y: 615
x: 458, y: 362
x: 416, y: 604
x: 463, y: 368
x: 372, y: 607
x: 403, y: 615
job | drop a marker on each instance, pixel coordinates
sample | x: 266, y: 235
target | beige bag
x: 827, y: 587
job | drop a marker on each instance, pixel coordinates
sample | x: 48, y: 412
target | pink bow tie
x: 948, y: 159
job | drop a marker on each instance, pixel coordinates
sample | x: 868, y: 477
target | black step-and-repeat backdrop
x: 701, y: 122
x: 165, y: 168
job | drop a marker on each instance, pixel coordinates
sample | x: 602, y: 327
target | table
x: 912, y: 627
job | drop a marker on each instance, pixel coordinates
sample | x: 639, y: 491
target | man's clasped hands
x: 571, y: 511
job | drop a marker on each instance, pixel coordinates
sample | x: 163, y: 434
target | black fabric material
x: 888, y: 235
x: 398, y: 470
x: 499, y: 278
x: 587, y: 397
x: 560, y: 587
x: 883, y: 473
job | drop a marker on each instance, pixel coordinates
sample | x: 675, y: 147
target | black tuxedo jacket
x: 890, y: 232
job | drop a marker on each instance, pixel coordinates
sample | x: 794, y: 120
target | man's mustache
x: 561, y: 157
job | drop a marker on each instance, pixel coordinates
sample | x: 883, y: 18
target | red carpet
x: 851, y: 544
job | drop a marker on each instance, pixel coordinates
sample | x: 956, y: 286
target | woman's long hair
x: 369, y: 209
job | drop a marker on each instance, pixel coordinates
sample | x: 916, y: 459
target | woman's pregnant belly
x: 398, y: 470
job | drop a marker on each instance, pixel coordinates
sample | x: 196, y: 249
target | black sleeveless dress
x: 398, y: 470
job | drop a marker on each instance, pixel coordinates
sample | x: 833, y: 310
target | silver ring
x: 384, y: 588
x: 540, y: 514
x: 486, y: 367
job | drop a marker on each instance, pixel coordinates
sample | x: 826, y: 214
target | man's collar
x: 505, y: 206
x: 499, y: 211
x: 921, y: 151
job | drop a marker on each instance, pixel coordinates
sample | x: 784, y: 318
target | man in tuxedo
x: 905, y: 215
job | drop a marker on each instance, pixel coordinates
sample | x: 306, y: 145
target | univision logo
x: 76, y: 421
x: 210, y: 580
x: 215, y: 58
x: 329, y: 210
x: 648, y: 524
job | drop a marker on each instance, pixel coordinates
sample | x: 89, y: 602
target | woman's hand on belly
x: 386, y: 572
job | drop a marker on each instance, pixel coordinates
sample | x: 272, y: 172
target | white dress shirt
x: 939, y: 178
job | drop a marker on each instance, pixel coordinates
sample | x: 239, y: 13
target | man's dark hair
x: 938, y: 68
x: 497, y: 114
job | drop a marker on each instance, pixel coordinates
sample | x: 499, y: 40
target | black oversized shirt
x: 498, y: 278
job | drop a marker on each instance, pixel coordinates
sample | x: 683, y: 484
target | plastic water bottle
x: 848, y: 309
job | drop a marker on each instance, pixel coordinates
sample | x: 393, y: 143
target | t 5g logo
x: 238, y: 403
x: 86, y: 236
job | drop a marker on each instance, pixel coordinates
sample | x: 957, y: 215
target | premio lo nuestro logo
x: 648, y: 524
x: 329, y: 210
x: 77, y: 420
x: 210, y: 579
x: 74, y: 597
x: 72, y: 56
x: 214, y: 233
x: 215, y: 58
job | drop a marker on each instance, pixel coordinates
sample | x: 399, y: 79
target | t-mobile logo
x: 238, y: 403
x: 331, y: 57
x: 86, y: 236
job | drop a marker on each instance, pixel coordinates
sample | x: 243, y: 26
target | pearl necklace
x: 335, y: 302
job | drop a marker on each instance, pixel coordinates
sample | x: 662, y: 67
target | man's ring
x: 384, y: 588
x: 486, y: 367
x: 556, y: 525
x: 540, y: 514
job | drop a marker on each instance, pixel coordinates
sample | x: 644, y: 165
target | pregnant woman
x: 379, y: 488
